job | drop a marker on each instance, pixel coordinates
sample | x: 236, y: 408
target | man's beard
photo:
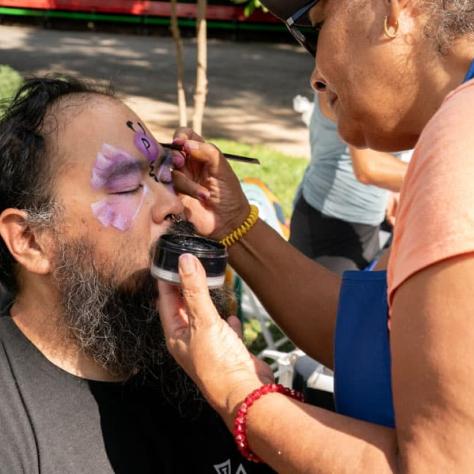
x: 116, y: 323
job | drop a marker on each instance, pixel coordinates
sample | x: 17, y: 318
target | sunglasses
x: 308, y: 37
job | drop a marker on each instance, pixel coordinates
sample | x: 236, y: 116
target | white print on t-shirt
x: 226, y: 468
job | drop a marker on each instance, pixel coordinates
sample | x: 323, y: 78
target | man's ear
x: 24, y: 243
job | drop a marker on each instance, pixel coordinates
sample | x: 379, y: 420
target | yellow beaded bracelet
x: 238, y: 233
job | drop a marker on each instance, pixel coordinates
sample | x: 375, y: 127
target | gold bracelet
x: 238, y: 233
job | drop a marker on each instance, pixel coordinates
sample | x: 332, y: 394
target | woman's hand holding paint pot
x: 219, y: 205
x: 208, y: 348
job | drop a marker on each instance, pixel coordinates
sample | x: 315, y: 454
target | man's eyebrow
x: 121, y: 169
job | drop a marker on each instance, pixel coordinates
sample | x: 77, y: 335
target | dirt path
x: 251, y: 85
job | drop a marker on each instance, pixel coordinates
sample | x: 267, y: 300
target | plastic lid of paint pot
x: 212, y: 255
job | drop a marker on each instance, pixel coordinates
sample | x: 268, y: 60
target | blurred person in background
x: 342, y: 199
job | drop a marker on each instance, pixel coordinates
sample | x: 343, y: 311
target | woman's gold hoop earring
x: 390, y: 31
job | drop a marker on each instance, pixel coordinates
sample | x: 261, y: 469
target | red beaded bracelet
x: 240, y: 422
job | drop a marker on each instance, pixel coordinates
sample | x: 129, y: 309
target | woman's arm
x: 377, y: 168
x: 433, y: 367
x: 289, y: 436
x: 433, y: 382
x: 293, y: 437
x: 300, y: 295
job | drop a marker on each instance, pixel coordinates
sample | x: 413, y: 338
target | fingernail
x: 178, y: 160
x: 179, y: 140
x: 190, y: 145
x: 165, y: 175
x: 187, y: 263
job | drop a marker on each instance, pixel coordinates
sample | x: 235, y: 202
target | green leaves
x: 250, y: 6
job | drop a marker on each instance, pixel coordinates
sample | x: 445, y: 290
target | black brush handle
x: 229, y: 156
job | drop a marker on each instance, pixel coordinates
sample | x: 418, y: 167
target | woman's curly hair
x: 448, y: 20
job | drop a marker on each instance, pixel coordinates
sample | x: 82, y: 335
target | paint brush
x: 229, y: 156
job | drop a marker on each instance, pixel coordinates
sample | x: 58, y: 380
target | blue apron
x: 362, y: 375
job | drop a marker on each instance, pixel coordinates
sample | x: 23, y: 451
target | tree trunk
x: 183, y: 116
x: 200, y: 93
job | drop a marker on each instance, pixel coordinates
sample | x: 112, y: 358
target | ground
x: 251, y: 85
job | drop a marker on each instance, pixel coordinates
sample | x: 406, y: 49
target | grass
x: 10, y: 81
x: 280, y: 172
x: 254, y: 340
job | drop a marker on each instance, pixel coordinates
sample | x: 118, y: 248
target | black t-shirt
x: 54, y: 422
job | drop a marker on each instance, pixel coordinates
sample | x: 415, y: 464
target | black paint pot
x: 211, y: 254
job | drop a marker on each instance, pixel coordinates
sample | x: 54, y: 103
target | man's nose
x: 166, y: 202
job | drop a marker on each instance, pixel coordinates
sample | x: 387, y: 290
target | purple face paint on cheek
x: 120, y: 174
x: 120, y: 210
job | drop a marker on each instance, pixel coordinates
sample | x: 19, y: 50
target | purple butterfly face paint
x: 120, y: 175
x: 153, y: 152
x: 145, y: 144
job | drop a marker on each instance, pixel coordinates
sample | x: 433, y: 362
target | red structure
x: 140, y: 8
